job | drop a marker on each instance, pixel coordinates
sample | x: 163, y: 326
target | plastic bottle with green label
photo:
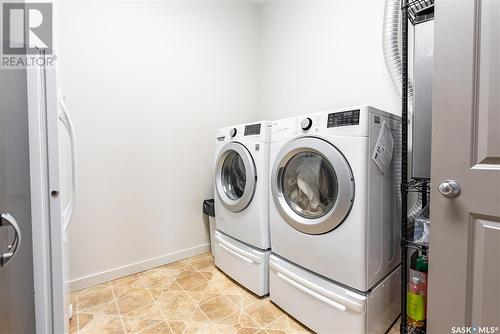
x: 416, y: 299
x: 422, y: 266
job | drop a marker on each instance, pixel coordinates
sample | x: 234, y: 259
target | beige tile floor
x: 188, y: 296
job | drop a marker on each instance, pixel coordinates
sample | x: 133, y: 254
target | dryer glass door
x: 312, y: 185
x: 235, y: 177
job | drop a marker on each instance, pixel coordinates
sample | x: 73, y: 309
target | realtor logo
x: 27, y: 28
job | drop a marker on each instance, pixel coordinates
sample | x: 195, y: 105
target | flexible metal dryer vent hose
x: 393, y: 63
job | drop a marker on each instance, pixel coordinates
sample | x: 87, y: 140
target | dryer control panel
x: 343, y: 118
x: 351, y: 121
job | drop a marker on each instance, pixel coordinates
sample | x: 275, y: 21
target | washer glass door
x: 312, y: 185
x: 235, y: 177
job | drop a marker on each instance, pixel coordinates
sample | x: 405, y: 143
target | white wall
x: 147, y: 85
x: 318, y: 55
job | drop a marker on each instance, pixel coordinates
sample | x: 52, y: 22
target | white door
x: 464, y: 272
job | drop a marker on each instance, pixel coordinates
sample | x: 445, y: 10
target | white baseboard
x: 108, y: 275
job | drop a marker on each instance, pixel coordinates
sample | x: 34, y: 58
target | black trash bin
x: 209, y: 210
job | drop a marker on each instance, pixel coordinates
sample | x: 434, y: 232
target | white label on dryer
x: 382, y: 154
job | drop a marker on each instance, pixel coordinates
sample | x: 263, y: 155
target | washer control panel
x: 306, y: 124
x: 343, y: 118
x: 252, y: 129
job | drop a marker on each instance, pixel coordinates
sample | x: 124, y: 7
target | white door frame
x: 46, y: 209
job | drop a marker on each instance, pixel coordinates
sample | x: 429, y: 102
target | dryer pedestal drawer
x: 247, y: 265
x: 326, y: 307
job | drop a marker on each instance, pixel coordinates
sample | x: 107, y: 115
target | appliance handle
x: 235, y: 254
x: 280, y: 181
x: 237, y: 250
x: 7, y: 257
x: 312, y: 293
x: 318, y: 290
x: 68, y: 124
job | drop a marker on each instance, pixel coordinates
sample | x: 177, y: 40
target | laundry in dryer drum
x: 306, y: 181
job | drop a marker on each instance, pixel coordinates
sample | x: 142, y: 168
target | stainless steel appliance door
x: 17, y: 307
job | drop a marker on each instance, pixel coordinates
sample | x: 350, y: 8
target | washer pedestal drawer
x: 247, y: 265
x: 326, y: 307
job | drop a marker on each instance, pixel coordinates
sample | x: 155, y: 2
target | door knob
x: 14, y: 247
x: 449, y: 188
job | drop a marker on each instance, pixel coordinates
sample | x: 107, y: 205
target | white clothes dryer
x: 334, y: 213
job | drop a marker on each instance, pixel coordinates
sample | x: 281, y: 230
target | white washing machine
x: 242, y: 240
x: 334, y: 219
